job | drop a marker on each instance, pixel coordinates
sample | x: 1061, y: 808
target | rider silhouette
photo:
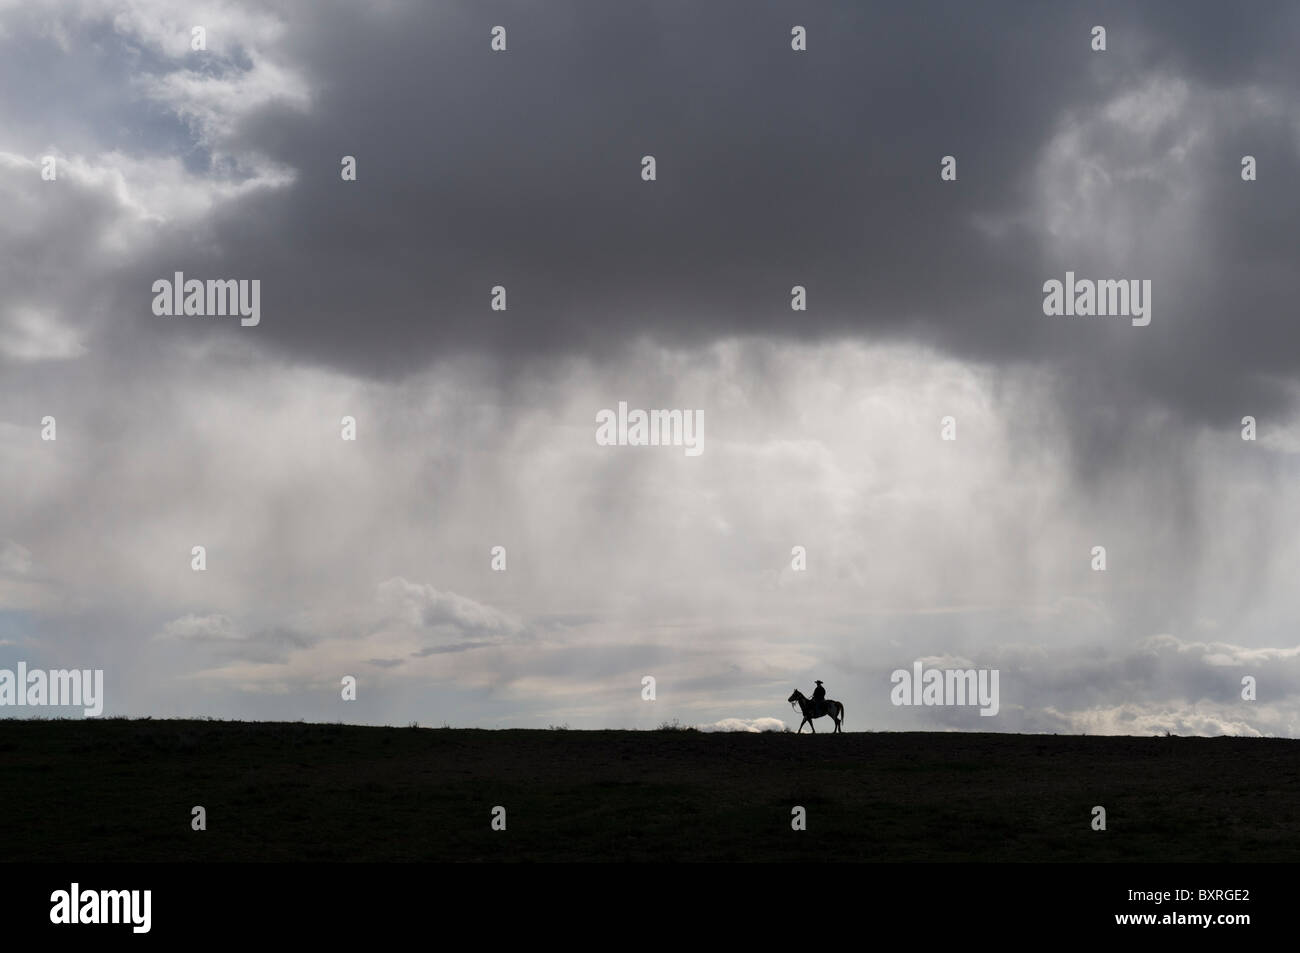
x: 819, y: 697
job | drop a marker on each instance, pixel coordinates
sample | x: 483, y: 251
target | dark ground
x: 117, y: 790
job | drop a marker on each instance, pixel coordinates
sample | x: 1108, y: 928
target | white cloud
x: 1203, y: 719
x: 421, y: 605
x: 745, y: 724
x: 203, y: 628
x: 245, y: 69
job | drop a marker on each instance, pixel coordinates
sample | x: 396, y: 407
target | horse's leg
x: 812, y: 726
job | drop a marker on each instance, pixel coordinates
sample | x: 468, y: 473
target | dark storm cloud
x: 775, y: 169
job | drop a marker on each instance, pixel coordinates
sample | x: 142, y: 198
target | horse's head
x: 795, y: 697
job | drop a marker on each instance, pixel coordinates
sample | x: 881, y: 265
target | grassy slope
x: 122, y: 790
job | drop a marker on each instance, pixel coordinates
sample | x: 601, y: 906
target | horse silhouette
x: 812, y: 709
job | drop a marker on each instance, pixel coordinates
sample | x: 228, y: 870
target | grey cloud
x: 453, y: 647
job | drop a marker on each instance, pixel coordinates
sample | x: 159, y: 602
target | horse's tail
x: 841, y: 704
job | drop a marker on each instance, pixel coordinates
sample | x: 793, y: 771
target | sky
x: 822, y: 428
